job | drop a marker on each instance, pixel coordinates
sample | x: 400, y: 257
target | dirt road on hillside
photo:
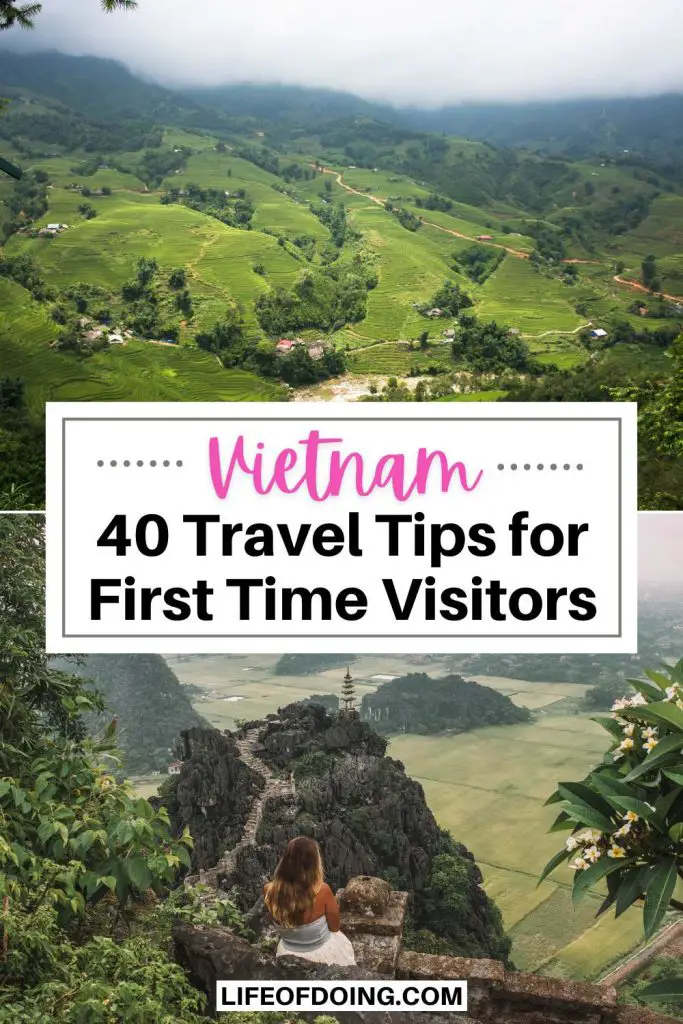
x: 638, y: 287
x: 430, y: 224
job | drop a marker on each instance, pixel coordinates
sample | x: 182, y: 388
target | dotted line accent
x: 126, y: 463
x: 553, y: 466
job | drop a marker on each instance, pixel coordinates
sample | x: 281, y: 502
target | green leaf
x: 610, y: 785
x: 660, y: 889
x: 585, y: 815
x: 108, y: 880
x: 667, y: 713
x: 553, y: 863
x: 666, y: 802
x: 46, y: 830
x: 585, y: 880
x: 610, y: 724
x: 663, y: 682
x: 183, y: 856
x: 668, y: 990
x: 580, y: 793
x: 676, y: 832
x: 640, y: 808
x: 562, y: 823
x: 631, y: 888
x: 666, y: 748
x: 673, y: 775
x: 138, y: 872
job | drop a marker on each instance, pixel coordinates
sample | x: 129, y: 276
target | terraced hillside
x: 261, y: 220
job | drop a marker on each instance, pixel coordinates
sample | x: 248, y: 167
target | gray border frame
x: 342, y: 636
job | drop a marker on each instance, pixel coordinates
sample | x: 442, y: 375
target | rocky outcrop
x: 213, y: 795
x: 326, y: 776
x: 226, y: 871
x: 305, y: 728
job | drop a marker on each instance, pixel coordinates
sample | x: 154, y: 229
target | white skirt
x: 336, y: 950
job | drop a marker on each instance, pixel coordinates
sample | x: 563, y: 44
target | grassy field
x: 501, y: 775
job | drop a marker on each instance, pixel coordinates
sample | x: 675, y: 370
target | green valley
x: 195, y: 252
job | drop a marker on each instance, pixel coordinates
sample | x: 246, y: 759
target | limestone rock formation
x: 213, y: 795
x: 305, y: 772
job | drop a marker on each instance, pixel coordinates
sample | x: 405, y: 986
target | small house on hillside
x: 116, y: 339
x: 434, y: 312
x: 174, y: 767
x: 449, y: 333
x: 284, y: 346
x: 484, y: 238
x: 514, y: 330
x: 598, y: 333
x: 316, y: 351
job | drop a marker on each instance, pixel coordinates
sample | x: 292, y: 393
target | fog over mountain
x: 660, y: 547
x: 435, y: 53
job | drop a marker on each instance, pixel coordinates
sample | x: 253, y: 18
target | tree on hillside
x: 625, y: 820
x: 14, y: 13
x: 650, y: 273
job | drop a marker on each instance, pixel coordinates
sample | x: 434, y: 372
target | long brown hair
x: 297, y: 881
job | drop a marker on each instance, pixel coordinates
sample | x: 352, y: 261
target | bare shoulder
x: 327, y: 891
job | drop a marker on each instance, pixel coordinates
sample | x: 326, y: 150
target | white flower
x: 621, y: 703
x: 679, y: 704
x: 650, y: 744
x: 629, y: 728
x: 648, y: 733
x: 572, y: 843
x: 630, y: 816
x: 671, y: 692
x: 591, y: 835
x: 616, y: 852
x: 580, y: 864
x: 637, y: 700
x: 623, y: 831
x: 592, y: 854
x: 626, y: 744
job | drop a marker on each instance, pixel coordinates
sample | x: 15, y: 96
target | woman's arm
x: 332, y: 910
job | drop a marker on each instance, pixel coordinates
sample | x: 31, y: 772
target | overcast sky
x: 660, y: 547
x: 428, y: 53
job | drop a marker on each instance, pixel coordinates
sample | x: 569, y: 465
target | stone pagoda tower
x: 348, y: 697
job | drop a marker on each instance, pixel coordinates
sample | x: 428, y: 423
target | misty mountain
x: 149, y: 703
x: 648, y: 128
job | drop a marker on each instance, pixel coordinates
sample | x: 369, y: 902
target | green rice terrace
x: 334, y: 262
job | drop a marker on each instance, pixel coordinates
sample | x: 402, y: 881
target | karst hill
x: 305, y: 771
x: 418, y: 703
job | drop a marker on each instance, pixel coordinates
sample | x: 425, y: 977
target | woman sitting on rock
x: 304, y: 909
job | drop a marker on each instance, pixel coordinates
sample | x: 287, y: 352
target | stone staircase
x: 274, y: 786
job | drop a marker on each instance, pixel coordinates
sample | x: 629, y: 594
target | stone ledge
x: 639, y: 1015
x: 376, y: 952
x: 554, y: 990
x: 427, y: 967
x: 388, y: 923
